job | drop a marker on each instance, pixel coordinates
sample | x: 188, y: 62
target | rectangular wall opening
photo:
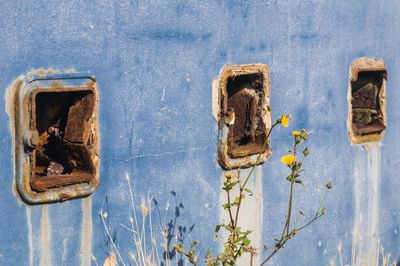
x: 367, y: 115
x: 247, y: 135
x: 63, y: 154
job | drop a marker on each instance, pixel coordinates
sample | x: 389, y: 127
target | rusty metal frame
x: 220, y: 100
x: 25, y: 155
x: 366, y: 64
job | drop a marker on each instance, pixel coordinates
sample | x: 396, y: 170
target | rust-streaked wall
x: 155, y: 62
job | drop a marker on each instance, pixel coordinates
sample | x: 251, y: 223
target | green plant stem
x: 238, y: 207
x: 321, y: 203
x: 285, y: 237
x: 290, y: 205
x: 237, y: 252
x: 259, y: 155
x: 270, y: 256
x: 309, y: 223
x: 281, y: 243
x: 243, y: 186
x: 289, y: 214
x: 229, y: 209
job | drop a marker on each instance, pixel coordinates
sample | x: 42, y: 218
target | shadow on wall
x: 174, y: 233
x: 146, y: 250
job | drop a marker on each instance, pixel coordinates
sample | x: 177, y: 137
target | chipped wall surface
x: 155, y: 62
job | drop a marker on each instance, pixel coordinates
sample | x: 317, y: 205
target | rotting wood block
x: 62, y: 157
x: 367, y: 116
x: 78, y: 116
x: 247, y: 135
x: 241, y: 107
x: 365, y: 97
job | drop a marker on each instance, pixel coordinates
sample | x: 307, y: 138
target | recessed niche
x: 240, y: 105
x: 62, y: 156
x: 56, y: 131
x: 367, y: 103
x: 247, y: 135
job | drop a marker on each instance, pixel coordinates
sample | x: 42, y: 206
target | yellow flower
x: 285, y: 120
x: 296, y: 133
x: 288, y: 159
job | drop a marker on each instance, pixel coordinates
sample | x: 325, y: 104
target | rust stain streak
x: 86, y: 232
x: 45, y: 238
x: 10, y: 109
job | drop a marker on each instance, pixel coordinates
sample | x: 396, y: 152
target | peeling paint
x: 28, y: 212
x: 45, y: 238
x: 86, y: 232
x: 65, y: 252
x: 48, y: 71
x: 10, y: 109
x: 366, y: 185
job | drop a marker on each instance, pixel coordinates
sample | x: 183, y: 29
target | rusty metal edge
x: 23, y: 160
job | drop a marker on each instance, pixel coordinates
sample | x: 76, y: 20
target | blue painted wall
x: 155, y: 62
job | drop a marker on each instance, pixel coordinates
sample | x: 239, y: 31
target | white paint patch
x: 65, y: 252
x: 45, y: 238
x: 28, y: 212
x: 86, y: 232
x: 163, y: 94
x: 251, y: 213
x: 366, y: 185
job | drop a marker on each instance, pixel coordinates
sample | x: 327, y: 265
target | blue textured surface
x: 155, y: 62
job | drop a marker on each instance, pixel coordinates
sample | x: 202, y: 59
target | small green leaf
x: 304, y: 134
x: 228, y: 185
x: 299, y: 181
x: 306, y: 151
x: 229, y: 228
x: 178, y: 248
x: 297, y: 166
x: 217, y: 228
x: 237, y: 201
x: 194, y: 243
x: 226, y: 206
x: 249, y: 191
x: 329, y: 185
x: 246, y: 242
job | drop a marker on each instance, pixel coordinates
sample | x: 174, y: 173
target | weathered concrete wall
x: 155, y: 62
